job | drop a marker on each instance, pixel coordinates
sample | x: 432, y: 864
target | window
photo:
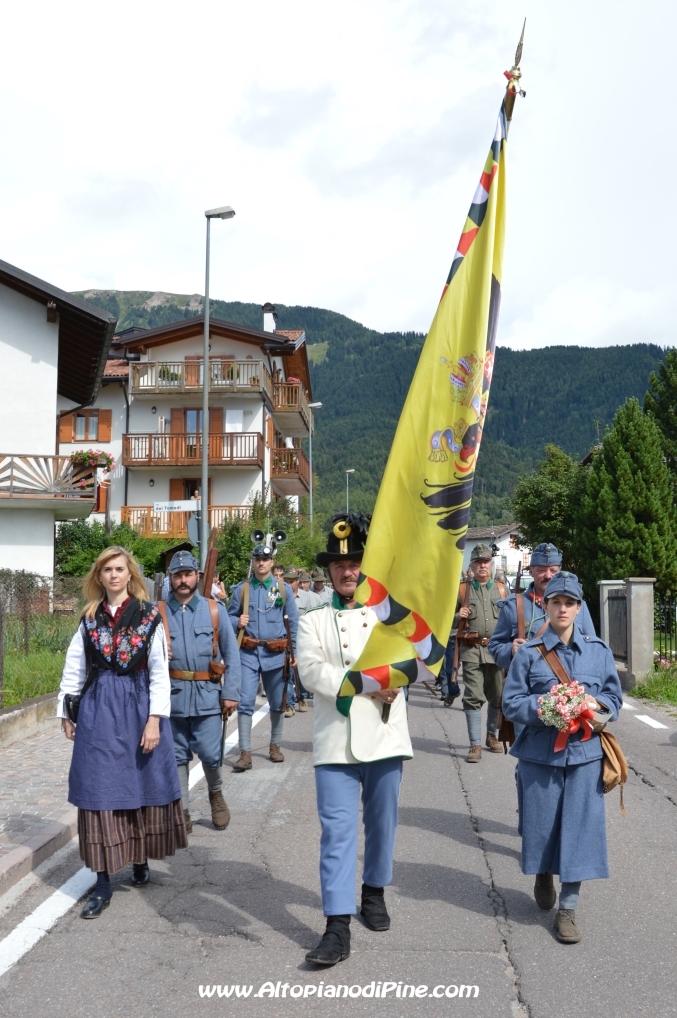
x: 86, y: 426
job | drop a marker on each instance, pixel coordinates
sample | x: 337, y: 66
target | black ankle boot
x: 335, y: 943
x: 373, y: 909
x: 140, y: 874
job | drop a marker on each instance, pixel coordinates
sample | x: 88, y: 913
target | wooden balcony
x: 226, y: 377
x: 38, y: 482
x: 146, y: 522
x: 235, y: 449
x: 290, y: 409
x: 289, y: 472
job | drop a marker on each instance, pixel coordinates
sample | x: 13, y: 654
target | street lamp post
x: 312, y: 406
x: 348, y: 472
x: 225, y: 212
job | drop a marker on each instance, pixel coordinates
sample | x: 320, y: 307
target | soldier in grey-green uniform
x: 479, y: 604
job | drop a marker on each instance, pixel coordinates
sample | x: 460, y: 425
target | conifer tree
x: 627, y: 524
x: 546, y: 503
x: 661, y: 403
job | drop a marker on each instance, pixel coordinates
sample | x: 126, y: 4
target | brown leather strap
x: 175, y: 673
x: 502, y: 589
x: 552, y: 659
x: 519, y: 601
x: 214, y: 612
x: 162, y: 608
x: 464, y: 597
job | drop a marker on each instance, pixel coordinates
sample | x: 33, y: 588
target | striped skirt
x: 112, y: 839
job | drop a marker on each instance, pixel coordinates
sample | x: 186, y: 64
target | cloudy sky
x: 349, y: 139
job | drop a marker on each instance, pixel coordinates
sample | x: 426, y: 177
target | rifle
x: 244, y: 607
x: 210, y: 566
x: 518, y: 580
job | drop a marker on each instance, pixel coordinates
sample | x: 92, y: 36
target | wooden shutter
x: 102, y: 492
x: 270, y: 431
x: 216, y: 420
x: 105, y: 425
x: 176, y: 489
x: 66, y: 428
x: 177, y: 421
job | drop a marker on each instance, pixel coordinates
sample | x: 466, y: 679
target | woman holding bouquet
x: 123, y: 776
x: 559, y: 778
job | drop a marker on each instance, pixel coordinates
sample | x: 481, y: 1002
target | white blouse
x: 75, y: 671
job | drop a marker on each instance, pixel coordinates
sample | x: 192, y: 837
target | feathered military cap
x: 346, y: 539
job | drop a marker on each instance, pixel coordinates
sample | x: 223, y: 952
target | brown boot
x: 474, y: 754
x: 243, y: 762
x: 493, y: 744
x: 274, y: 753
x: 566, y: 930
x: 189, y: 822
x: 220, y: 811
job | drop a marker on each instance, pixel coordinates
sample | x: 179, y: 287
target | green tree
x: 79, y: 542
x: 627, y: 524
x: 546, y: 503
x: 660, y: 403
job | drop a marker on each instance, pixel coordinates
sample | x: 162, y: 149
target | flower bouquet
x: 566, y: 708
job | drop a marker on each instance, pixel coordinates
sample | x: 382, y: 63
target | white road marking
x: 629, y: 706
x: 649, y: 721
x: 33, y: 928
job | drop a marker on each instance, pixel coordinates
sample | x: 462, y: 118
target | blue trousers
x: 273, y: 683
x: 200, y: 736
x: 338, y: 801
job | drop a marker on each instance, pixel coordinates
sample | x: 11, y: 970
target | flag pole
x: 514, y: 75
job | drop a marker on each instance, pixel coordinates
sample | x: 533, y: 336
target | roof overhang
x: 190, y: 327
x: 85, y: 333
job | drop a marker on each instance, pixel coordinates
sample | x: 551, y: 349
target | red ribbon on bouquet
x: 582, y: 721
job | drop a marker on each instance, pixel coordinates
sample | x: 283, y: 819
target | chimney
x: 269, y: 317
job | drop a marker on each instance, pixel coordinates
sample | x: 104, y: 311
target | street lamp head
x: 314, y: 406
x: 225, y: 212
x: 350, y: 471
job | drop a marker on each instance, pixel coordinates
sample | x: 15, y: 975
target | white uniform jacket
x: 330, y: 640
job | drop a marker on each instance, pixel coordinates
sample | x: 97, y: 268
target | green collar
x: 266, y: 583
x: 338, y: 604
x: 476, y: 584
x: 175, y: 605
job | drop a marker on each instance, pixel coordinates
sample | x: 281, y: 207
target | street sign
x: 194, y: 529
x: 188, y: 505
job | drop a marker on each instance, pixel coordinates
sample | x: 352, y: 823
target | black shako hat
x: 347, y: 538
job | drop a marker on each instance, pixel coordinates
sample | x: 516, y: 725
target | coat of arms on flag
x: 413, y: 557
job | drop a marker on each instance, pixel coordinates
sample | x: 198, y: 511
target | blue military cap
x: 262, y: 551
x: 564, y: 583
x: 183, y: 560
x: 546, y: 555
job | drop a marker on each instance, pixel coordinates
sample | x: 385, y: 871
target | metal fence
x: 618, y: 623
x: 665, y: 630
x: 38, y: 616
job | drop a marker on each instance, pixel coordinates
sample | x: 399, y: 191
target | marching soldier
x: 477, y: 611
x: 201, y: 648
x: 350, y: 754
x: 523, y: 616
x: 319, y: 585
x: 265, y: 641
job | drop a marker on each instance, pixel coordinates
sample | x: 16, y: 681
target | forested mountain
x: 566, y: 395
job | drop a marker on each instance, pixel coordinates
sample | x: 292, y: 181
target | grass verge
x: 660, y: 687
x: 29, y: 675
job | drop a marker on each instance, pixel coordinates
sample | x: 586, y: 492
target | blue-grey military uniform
x: 266, y: 622
x: 196, y: 703
x: 561, y: 798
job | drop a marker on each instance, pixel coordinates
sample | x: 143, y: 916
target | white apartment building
x: 509, y: 555
x: 53, y: 349
x: 148, y: 415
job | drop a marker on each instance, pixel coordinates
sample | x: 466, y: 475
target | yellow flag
x: 413, y: 557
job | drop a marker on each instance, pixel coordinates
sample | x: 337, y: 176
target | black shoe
x: 335, y: 944
x: 140, y: 874
x: 544, y: 891
x: 94, y: 907
x: 373, y: 909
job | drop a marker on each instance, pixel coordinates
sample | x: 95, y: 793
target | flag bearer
x: 262, y: 652
x: 353, y: 754
x: 200, y: 696
x: 478, y: 604
x: 560, y: 790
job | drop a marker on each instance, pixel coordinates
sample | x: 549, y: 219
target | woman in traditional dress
x: 560, y: 792
x: 123, y: 776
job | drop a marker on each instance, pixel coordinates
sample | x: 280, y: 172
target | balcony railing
x: 151, y: 378
x: 44, y: 477
x: 290, y: 408
x: 145, y: 521
x: 289, y: 472
x: 235, y: 449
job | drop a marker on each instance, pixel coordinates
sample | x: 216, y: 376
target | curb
x: 23, y: 860
x: 26, y: 718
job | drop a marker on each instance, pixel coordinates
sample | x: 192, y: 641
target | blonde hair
x: 94, y: 589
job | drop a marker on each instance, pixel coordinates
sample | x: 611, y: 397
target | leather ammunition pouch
x: 250, y: 643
